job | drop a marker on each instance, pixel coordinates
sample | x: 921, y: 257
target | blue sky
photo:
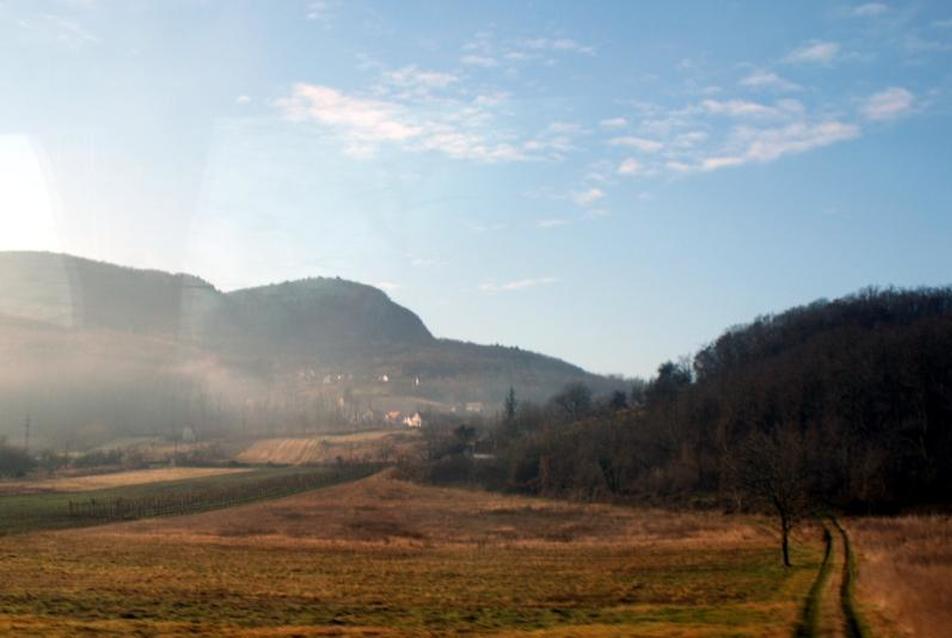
x: 611, y: 183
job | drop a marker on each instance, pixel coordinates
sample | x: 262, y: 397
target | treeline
x: 844, y: 404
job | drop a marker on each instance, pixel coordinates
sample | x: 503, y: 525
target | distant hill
x: 332, y: 319
x: 318, y: 339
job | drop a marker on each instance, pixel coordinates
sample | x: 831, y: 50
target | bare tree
x: 575, y: 400
x: 509, y: 408
x: 770, y: 469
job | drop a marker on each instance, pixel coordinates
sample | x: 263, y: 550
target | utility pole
x: 26, y: 435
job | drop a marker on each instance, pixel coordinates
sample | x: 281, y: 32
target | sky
x: 612, y: 183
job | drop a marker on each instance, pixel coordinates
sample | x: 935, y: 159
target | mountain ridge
x: 321, y: 326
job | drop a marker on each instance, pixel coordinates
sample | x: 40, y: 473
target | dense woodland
x: 844, y: 404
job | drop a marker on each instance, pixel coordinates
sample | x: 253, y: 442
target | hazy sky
x: 611, y: 183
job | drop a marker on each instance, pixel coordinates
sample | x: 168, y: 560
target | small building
x: 415, y: 421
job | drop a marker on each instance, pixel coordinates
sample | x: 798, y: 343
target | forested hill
x: 868, y: 310
x: 853, y: 395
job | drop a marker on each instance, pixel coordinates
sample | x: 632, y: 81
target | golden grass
x: 360, y: 446
x: 384, y: 557
x: 114, y: 479
x: 905, y: 574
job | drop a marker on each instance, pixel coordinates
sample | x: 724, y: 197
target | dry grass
x: 383, y: 557
x: 113, y: 479
x: 383, y: 510
x: 361, y: 446
x: 905, y: 574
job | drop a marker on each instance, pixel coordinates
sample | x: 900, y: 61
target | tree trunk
x: 785, y: 541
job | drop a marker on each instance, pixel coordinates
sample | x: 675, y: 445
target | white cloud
x: 888, y: 104
x: 630, y: 166
x: 769, y: 80
x: 552, y: 222
x: 242, y: 99
x: 678, y: 166
x: 588, y: 197
x: 361, y: 119
x: 869, y: 9
x: 814, y: 52
x: 483, y: 61
x: 639, y: 143
x: 690, y: 139
x: 558, y: 44
x: 473, y: 146
x: 413, y: 77
x: 738, y: 108
x: 564, y: 127
x: 714, y: 163
x: 494, y: 98
x: 519, y: 284
x: 460, y: 130
x: 322, y: 10
x: 764, y: 145
x: 614, y: 122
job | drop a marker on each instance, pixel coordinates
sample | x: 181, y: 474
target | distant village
x: 397, y: 409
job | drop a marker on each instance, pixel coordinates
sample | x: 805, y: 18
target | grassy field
x: 371, y: 446
x: 905, y: 574
x: 51, y: 510
x: 113, y: 479
x: 383, y: 557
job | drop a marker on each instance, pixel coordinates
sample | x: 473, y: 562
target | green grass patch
x: 32, y: 512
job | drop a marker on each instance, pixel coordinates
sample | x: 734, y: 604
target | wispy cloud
x: 519, y: 284
x: 558, y: 44
x: 640, y: 143
x: 888, y: 104
x: 552, y: 222
x: 588, y: 197
x: 459, y: 129
x: 814, y: 52
x: 769, y: 80
x: 322, y: 10
x: 413, y: 77
x: 365, y: 120
x: 630, y: 166
x: 870, y: 9
x: 59, y: 29
x: 738, y: 108
x: 764, y: 145
x: 484, y: 61
x: 614, y: 123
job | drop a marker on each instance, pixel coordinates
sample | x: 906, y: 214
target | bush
x: 14, y: 461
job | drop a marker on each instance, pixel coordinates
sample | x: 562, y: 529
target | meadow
x: 87, y: 482
x: 385, y: 557
x: 905, y: 574
x: 130, y: 497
